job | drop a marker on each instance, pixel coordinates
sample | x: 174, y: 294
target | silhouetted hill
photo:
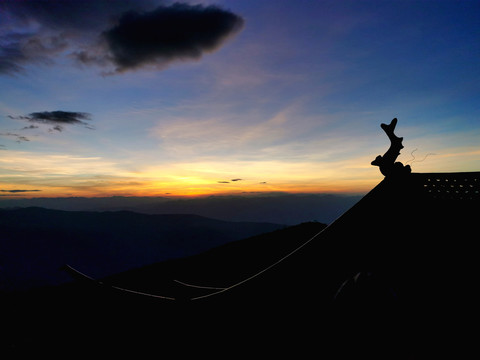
x: 280, y: 208
x: 36, y: 242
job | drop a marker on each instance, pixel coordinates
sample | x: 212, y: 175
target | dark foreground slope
x: 85, y: 316
x: 216, y: 268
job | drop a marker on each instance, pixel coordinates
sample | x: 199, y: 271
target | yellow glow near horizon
x: 68, y: 175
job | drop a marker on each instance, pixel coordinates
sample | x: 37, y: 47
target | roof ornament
x: 387, y: 164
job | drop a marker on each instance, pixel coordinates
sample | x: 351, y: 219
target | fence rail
x: 451, y: 186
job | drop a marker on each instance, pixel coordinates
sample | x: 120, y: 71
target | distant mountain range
x: 280, y: 208
x: 36, y: 242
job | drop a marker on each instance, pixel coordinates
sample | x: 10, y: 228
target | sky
x: 160, y: 98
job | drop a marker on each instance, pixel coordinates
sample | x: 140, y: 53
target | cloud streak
x: 56, y: 118
x: 17, y: 191
x: 18, y: 138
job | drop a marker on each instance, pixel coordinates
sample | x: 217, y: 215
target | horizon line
x: 23, y: 196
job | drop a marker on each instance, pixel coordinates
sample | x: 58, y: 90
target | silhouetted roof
x: 411, y: 242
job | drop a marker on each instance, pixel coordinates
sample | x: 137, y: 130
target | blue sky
x: 290, y: 101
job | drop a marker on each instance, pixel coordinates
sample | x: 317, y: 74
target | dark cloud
x: 57, y: 118
x: 18, y: 191
x: 169, y: 33
x: 34, y: 31
x: 81, y: 15
x: 124, y: 35
x: 236, y: 180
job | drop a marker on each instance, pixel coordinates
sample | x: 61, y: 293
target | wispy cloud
x: 18, y: 138
x: 25, y: 163
x: 68, y: 173
x: 228, y: 182
x: 57, y: 118
x: 246, y: 134
x: 29, y: 127
x: 18, y: 191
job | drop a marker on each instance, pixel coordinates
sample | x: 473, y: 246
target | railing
x: 451, y: 186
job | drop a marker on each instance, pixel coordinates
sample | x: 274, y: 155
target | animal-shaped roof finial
x: 387, y: 164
